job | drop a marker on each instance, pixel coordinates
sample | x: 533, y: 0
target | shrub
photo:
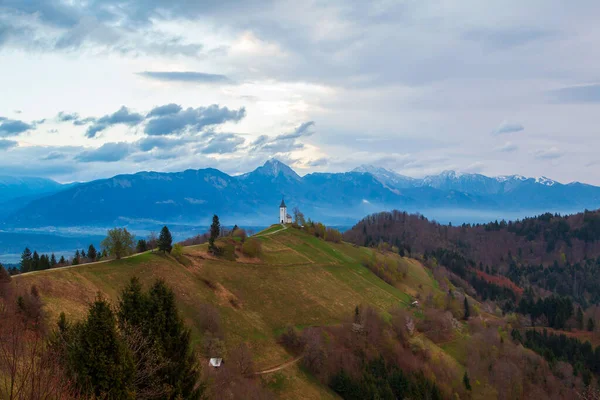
x: 252, y: 248
x: 333, y: 235
x: 177, y: 251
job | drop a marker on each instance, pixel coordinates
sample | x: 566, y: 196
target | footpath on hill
x: 279, y: 367
x: 123, y: 258
x: 78, y: 265
x: 283, y: 228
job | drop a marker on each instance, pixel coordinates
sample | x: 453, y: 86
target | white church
x: 284, y: 217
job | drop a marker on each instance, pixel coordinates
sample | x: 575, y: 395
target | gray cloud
x: 108, y: 152
x: 577, y: 94
x: 74, y: 118
x: 122, y: 116
x: 508, y: 147
x: 285, y: 142
x: 54, y: 155
x: 193, y: 119
x: 222, y: 143
x: 12, y: 127
x: 187, y: 76
x: 551, y: 153
x: 167, y: 109
x: 319, y: 162
x: 507, y: 38
x: 7, y: 144
x: 508, y: 127
x: 158, y: 142
x: 65, y: 116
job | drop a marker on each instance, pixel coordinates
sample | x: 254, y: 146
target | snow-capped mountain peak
x: 545, y: 181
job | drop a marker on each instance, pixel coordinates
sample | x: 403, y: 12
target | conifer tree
x: 170, y: 332
x: 52, y: 260
x: 579, y: 318
x: 165, y: 240
x: 467, y: 310
x: 92, y: 253
x: 133, y: 305
x: 142, y: 246
x: 590, y: 325
x: 26, y: 260
x: 215, y: 230
x: 98, y: 360
x: 155, y: 315
x: 82, y: 253
x: 62, y: 260
x: 35, y: 261
x: 467, y: 381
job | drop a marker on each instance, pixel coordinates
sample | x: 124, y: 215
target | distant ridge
x: 193, y: 196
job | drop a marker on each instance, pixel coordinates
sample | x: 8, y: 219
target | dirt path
x: 75, y: 266
x: 279, y: 367
x: 271, y: 233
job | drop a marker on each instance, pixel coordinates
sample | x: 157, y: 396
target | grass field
x: 300, y: 281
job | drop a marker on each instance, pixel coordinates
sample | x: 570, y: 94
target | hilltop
x: 309, y: 283
x: 300, y: 281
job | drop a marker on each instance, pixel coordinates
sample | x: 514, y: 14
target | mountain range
x: 191, y: 197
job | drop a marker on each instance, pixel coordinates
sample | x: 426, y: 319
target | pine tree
x: 92, y: 253
x: 171, y: 334
x: 590, y: 325
x: 133, y: 305
x: 467, y: 381
x: 62, y: 260
x: 98, y: 360
x: 82, y: 253
x: 35, y: 261
x: 142, y: 246
x: 165, y: 240
x: 26, y: 260
x: 215, y: 230
x: 467, y: 310
x: 52, y: 261
x: 579, y: 318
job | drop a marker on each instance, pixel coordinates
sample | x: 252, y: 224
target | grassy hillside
x: 300, y: 281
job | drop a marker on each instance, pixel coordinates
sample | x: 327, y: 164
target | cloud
x: 162, y: 143
x: 222, y: 143
x: 285, y: 142
x: 508, y: 147
x: 551, y: 153
x: 63, y: 116
x: 121, y: 116
x: 84, y: 121
x: 108, y: 152
x: 187, y: 77
x: 7, y: 144
x: 74, y: 118
x: 304, y: 129
x: 54, y: 155
x: 12, y: 127
x: 474, y: 168
x: 193, y: 119
x: 508, y: 127
x: 577, y: 94
x: 167, y: 109
x: 507, y: 38
x: 319, y: 162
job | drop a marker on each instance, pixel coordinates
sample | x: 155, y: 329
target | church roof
x: 282, y: 203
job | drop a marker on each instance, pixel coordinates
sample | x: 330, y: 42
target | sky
x: 91, y: 89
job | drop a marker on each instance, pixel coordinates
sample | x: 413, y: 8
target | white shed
x: 215, y: 362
